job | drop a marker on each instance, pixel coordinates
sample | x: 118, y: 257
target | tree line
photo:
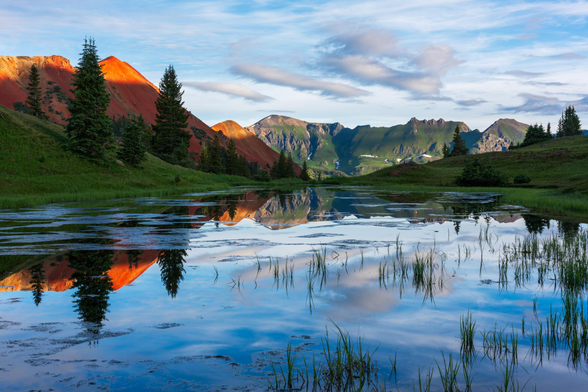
x: 568, y: 125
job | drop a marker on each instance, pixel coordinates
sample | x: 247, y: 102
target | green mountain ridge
x: 363, y: 149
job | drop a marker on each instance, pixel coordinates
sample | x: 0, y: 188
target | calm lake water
x: 206, y: 291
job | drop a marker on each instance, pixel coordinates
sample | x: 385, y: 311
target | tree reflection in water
x: 37, y: 278
x: 92, y: 285
x: 171, y: 262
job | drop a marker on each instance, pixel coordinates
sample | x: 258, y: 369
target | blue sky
x: 371, y: 62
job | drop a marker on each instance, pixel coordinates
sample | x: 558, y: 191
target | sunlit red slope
x: 248, y: 144
x: 58, y: 273
x: 130, y: 93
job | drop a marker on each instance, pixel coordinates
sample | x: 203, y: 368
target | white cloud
x: 236, y: 90
x: 280, y: 77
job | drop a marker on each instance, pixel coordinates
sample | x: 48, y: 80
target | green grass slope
x: 365, y: 148
x: 509, y: 129
x: 35, y: 168
x: 558, y: 170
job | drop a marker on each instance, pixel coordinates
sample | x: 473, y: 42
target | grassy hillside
x: 36, y: 169
x: 558, y: 170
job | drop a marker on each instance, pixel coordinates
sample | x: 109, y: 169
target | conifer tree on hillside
x: 133, y: 150
x: 459, y: 147
x: 243, y: 167
x: 569, y: 123
x: 88, y: 129
x: 536, y: 134
x: 274, y: 171
x: 171, y: 140
x: 445, y: 150
x: 215, y: 159
x: 290, y: 172
x: 304, y: 176
x: 34, y: 94
x: 203, y: 163
x: 232, y: 164
x: 282, y: 165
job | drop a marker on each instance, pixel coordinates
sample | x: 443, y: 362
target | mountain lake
x: 309, y: 289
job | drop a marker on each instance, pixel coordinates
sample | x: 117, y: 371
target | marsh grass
x: 448, y: 372
x: 556, y: 261
x: 347, y: 365
x: 467, y: 330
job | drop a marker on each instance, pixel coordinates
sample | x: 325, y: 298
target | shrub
x: 522, y: 179
x: 477, y: 173
x: 263, y: 176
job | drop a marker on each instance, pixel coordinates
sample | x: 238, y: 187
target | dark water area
x: 207, y: 291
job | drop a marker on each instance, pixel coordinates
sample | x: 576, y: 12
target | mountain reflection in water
x: 228, y: 280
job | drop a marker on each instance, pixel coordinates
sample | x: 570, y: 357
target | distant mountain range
x: 365, y: 148
x: 130, y: 93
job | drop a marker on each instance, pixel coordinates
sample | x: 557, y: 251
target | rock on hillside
x: 130, y: 92
x: 500, y: 135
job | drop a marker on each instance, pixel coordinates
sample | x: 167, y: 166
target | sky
x: 354, y: 62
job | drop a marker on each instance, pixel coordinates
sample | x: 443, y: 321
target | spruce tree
x: 536, y: 134
x: 203, y: 163
x: 282, y: 166
x: 171, y: 140
x: 459, y: 147
x: 290, y: 172
x: 34, y: 94
x: 304, y: 176
x: 215, y: 159
x: 569, y: 123
x: 274, y: 171
x: 243, y: 167
x: 232, y: 164
x: 88, y: 129
x: 133, y: 150
x: 445, y: 150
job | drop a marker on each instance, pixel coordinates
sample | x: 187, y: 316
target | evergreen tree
x: 34, y: 94
x: 171, y: 140
x: 215, y: 159
x: 282, y: 166
x: 290, y: 172
x: 459, y: 147
x: 204, y: 163
x: 304, y: 176
x: 274, y: 171
x: 569, y: 123
x: 233, y: 163
x: 445, y: 150
x: 133, y: 150
x: 88, y: 128
x: 536, y: 134
x: 262, y: 175
x: 548, y: 131
x: 243, y: 167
